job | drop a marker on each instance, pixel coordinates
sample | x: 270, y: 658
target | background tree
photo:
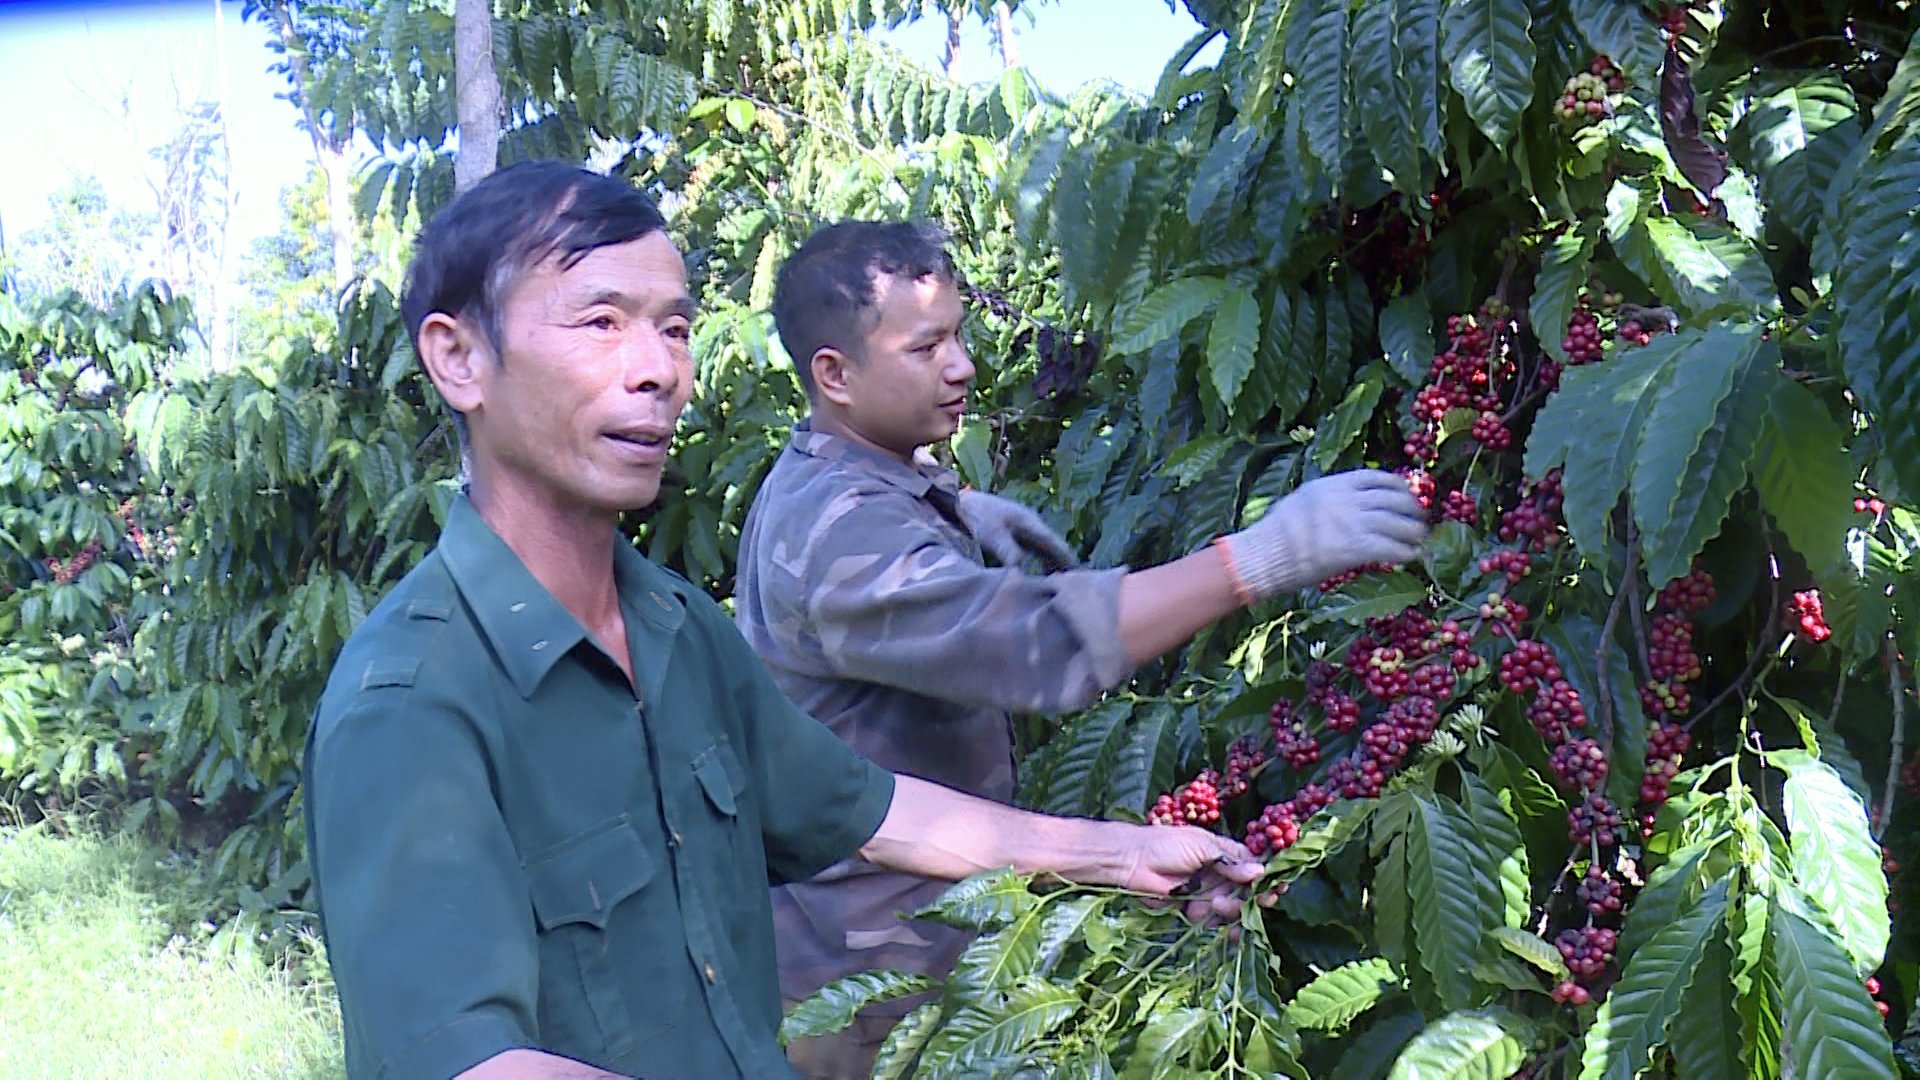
x: 476, y: 92
x: 87, y: 244
x: 298, y: 30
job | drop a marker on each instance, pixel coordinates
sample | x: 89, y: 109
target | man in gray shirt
x: 863, y: 587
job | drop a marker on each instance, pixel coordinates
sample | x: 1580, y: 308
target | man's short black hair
x: 468, y: 258
x: 825, y: 296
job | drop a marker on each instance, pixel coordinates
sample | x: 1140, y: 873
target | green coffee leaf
x: 1478, y: 1044
x: 1835, y: 858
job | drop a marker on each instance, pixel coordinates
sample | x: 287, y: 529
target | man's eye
x: 679, y: 332
x: 601, y: 322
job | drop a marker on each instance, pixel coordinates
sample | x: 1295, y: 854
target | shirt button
x: 711, y: 977
x: 676, y: 839
x: 658, y: 599
x: 538, y: 645
x: 518, y: 607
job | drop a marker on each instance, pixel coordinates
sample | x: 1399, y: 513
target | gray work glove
x: 1325, y: 527
x: 1010, y: 532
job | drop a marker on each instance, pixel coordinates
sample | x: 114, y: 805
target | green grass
x: 95, y: 980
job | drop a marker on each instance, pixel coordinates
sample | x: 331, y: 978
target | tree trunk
x: 329, y: 153
x: 476, y: 93
x: 221, y: 344
x: 952, y: 59
x: 339, y: 177
x: 1003, y: 30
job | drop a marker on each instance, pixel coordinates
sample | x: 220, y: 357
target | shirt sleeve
x: 428, y: 929
x: 819, y: 800
x: 893, y: 601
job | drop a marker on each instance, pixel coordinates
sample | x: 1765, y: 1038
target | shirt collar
x: 528, y: 628
x: 915, y: 480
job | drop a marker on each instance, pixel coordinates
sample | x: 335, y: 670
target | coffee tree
x: 84, y: 529
x: 1611, y: 783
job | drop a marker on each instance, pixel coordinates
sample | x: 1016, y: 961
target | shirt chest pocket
x: 718, y: 770
x: 729, y: 819
x: 609, y: 932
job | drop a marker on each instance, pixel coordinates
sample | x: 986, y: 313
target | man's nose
x: 649, y: 362
x: 960, y: 367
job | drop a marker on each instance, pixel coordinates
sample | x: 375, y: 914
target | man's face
x: 579, y: 410
x: 909, y: 388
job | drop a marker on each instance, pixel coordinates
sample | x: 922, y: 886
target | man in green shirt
x: 548, y: 783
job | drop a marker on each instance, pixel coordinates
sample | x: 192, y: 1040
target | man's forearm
x: 1163, y: 607
x: 937, y: 832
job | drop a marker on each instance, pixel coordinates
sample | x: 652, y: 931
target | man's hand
x: 1324, y: 527
x: 1208, y: 871
x: 938, y: 832
x: 1010, y: 532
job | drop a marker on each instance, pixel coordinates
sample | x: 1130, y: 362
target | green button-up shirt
x: 513, y: 847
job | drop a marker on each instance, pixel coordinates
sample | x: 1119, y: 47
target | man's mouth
x: 647, y: 445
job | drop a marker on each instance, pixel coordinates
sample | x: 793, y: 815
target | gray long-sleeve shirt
x: 871, y: 605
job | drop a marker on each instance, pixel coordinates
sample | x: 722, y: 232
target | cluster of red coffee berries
x: 1459, y: 506
x: 1596, y: 820
x: 1583, y: 342
x: 1347, y: 576
x: 1527, y: 666
x: 1671, y: 661
x: 1293, y: 743
x: 1600, y: 893
x: 1468, y: 375
x: 1579, y: 764
x: 1342, y: 712
x: 1810, y: 622
x: 1583, y: 100
x: 65, y: 572
x: 1587, y: 950
x: 1514, y: 564
x: 1411, y: 654
x: 1244, y: 757
x: 1274, y: 830
x: 1873, y: 991
x: 1874, y: 506
x: 1196, y: 802
x: 1674, y: 22
x: 1667, y: 742
x: 1536, y: 517
x: 1556, y: 708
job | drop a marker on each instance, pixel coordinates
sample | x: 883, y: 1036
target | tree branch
x: 1636, y: 614
x: 1761, y: 648
x: 1601, y: 681
x: 1899, y: 737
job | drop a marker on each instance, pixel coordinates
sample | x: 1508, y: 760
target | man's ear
x: 455, y: 354
x: 832, y: 371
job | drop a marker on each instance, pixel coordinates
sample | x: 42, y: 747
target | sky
x: 93, y: 85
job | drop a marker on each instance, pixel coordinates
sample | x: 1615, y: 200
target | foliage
x: 84, y: 532
x: 1628, y: 739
